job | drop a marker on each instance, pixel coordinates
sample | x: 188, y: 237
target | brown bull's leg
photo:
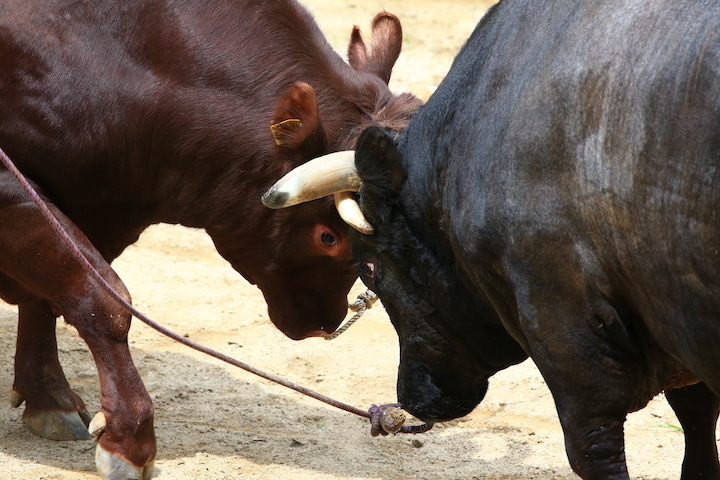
x: 42, y: 266
x: 124, y: 425
x: 697, y: 409
x: 52, y: 410
x: 126, y: 447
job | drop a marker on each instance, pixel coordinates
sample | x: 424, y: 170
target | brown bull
x: 127, y: 114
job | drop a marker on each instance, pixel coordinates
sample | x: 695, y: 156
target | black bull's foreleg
x: 697, y: 409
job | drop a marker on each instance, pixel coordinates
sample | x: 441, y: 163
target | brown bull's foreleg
x: 52, y: 410
x: 40, y: 266
x: 125, y: 421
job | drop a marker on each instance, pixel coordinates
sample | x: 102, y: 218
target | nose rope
x: 363, y: 303
x: 90, y: 269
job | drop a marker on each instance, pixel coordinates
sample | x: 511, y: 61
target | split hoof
x: 114, y: 467
x: 58, y: 425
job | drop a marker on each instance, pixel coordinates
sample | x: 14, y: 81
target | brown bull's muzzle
x: 332, y: 174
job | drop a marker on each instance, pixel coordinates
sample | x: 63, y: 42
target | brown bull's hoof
x: 16, y: 399
x: 114, y: 467
x: 58, y: 425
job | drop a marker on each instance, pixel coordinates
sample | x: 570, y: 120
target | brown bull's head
x: 305, y: 271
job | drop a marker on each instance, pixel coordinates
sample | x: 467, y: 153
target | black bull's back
x: 560, y: 193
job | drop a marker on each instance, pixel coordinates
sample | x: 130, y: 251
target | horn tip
x: 365, y: 229
x: 274, y: 198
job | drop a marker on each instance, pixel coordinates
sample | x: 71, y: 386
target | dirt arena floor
x: 215, y: 422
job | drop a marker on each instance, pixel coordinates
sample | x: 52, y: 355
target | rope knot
x: 364, y: 302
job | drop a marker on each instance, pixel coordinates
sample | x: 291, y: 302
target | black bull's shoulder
x: 559, y: 193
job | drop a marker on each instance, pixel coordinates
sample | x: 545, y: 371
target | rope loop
x: 364, y: 302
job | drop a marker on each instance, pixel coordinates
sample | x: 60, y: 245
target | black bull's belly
x: 558, y: 197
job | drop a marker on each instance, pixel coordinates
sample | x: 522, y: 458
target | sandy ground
x: 215, y: 422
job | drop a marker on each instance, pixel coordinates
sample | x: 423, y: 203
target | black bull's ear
x: 378, y: 164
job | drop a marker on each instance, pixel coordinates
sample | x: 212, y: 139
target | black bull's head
x: 445, y: 359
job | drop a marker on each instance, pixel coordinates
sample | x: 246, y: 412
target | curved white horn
x: 349, y: 211
x: 322, y: 176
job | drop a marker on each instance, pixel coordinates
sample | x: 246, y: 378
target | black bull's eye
x: 368, y: 269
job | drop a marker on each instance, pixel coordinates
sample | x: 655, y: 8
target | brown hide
x: 126, y: 114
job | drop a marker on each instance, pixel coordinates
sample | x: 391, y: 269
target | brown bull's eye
x: 328, y: 239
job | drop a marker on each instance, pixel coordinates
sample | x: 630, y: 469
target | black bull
x: 558, y: 197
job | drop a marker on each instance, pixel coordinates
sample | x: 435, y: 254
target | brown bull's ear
x: 296, y: 122
x: 386, y: 45
x: 378, y: 163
